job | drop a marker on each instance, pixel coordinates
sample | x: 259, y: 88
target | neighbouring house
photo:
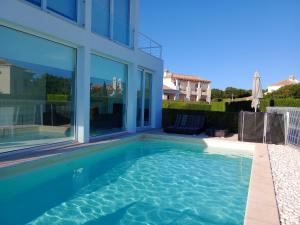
x: 274, y: 87
x: 74, y: 71
x: 181, y: 87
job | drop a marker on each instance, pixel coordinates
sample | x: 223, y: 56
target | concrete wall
x: 25, y: 17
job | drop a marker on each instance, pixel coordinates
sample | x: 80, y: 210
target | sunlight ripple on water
x: 156, y: 183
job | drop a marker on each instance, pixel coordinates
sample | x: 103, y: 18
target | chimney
x: 292, y: 77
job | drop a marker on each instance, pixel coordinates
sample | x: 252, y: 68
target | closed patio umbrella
x: 256, y: 91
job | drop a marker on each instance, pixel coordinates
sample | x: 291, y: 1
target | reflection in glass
x: 36, y: 2
x: 108, y: 96
x: 66, y: 8
x: 101, y: 17
x: 36, y: 90
x: 139, y: 103
x: 121, y: 21
x: 147, y: 104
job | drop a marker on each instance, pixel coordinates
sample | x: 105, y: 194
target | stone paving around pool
x: 285, y: 164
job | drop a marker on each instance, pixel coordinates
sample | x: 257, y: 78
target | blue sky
x: 226, y: 41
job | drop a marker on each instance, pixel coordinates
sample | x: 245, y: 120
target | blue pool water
x: 141, y: 182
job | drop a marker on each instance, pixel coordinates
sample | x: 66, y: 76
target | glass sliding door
x: 37, y: 79
x: 147, y: 98
x: 108, y: 96
x: 140, y: 102
x: 144, y: 92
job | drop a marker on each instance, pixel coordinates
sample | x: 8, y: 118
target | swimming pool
x: 140, y: 181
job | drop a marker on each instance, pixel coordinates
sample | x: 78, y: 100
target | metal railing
x: 292, y: 123
x: 149, y: 46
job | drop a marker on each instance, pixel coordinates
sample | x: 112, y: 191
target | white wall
x: 273, y: 88
x: 28, y: 18
x: 168, y: 82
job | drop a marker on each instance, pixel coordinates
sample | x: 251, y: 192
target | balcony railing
x: 149, y: 46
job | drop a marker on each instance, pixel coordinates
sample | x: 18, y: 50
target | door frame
x: 142, y: 72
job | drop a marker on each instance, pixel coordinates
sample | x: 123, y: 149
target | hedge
x: 218, y: 106
x: 279, y: 102
x: 186, y: 105
x: 57, y: 97
x: 214, y: 106
x: 238, y: 106
x: 226, y: 120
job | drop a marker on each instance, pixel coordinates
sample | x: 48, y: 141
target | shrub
x: 289, y: 91
x: 264, y: 104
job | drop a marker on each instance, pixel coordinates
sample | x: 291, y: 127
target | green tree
x: 217, y: 93
x: 236, y: 92
x: 290, y: 91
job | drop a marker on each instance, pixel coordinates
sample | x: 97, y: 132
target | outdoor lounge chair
x: 186, y: 124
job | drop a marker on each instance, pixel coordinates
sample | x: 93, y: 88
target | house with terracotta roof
x: 274, y: 87
x: 182, y: 87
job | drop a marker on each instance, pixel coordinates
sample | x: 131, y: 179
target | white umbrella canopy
x: 256, y: 91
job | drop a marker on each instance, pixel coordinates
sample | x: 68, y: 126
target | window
x: 144, y: 92
x: 121, y: 21
x: 35, y: 2
x: 101, y: 17
x: 66, y: 8
x: 147, y: 94
x: 108, y: 96
x: 36, y: 90
x: 110, y: 18
x: 139, y: 105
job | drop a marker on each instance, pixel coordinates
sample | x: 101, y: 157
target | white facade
x: 290, y: 81
x: 273, y: 88
x: 185, y: 88
x: 25, y: 17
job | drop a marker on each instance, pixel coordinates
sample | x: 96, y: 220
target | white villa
x: 185, y: 87
x: 274, y: 87
x: 73, y: 71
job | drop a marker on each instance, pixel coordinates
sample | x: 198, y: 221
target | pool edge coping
x: 261, y: 208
